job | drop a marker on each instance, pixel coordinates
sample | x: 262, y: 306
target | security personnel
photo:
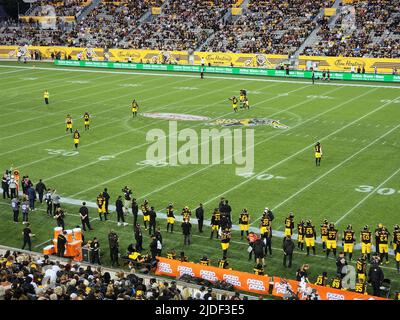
x: 383, y: 248
x: 113, y: 242
x: 366, y: 242
x: 170, y: 217
x: 324, y: 233
x: 95, y: 251
x: 205, y: 261
x: 322, y: 280
x: 46, y: 96
x: 331, y: 241
x: 348, y: 241
x: 258, y: 270
x: 361, y: 268
x: 139, y: 237
x: 310, y: 236
x: 27, y: 234
x: 225, y: 240
x: 300, y: 235
x: 244, y: 220
x: 289, y: 224
x: 135, y: 211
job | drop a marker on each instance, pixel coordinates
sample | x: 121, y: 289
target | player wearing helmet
x: 348, y: 241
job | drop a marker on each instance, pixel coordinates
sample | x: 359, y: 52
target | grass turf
x: 357, y: 127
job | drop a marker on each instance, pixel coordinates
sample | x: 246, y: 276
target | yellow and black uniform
x: 171, y: 255
x: 46, y: 97
x: 246, y: 104
x: 68, y: 123
x: 300, y: 235
x: 258, y: 270
x: 396, y: 237
x: 361, y: 269
x: 146, y: 213
x: 324, y: 234
x: 234, y: 103
x: 310, y: 236
x: 360, y: 287
x: 170, y: 218
x: 366, y: 242
x: 336, y: 283
x: 318, y: 154
x: 289, y: 225
x: 135, y: 108
x: 225, y: 240
x: 135, y: 256
x: 86, y: 120
x: 223, y: 264
x: 215, y: 222
x: 383, y: 247
x: 322, y: 280
x: 331, y: 242
x: 266, y: 232
x: 77, y: 135
x: 101, y: 206
x: 244, y: 220
x: 397, y: 256
x: 348, y: 245
x: 205, y: 261
x: 186, y: 214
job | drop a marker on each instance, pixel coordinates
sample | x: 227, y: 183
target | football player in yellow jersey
x: 397, y: 256
x: 396, y: 236
x: 101, y: 206
x: 46, y: 96
x: 331, y: 242
x: 242, y: 96
x: 135, y: 107
x: 383, y: 247
x: 77, y: 135
x: 366, y: 242
x: 336, y: 283
x: 186, y: 213
x: 223, y: 264
x: 310, y: 236
x: 289, y: 224
x: 266, y: 231
x: 348, y: 241
x: 361, y: 268
x: 234, y: 103
x: 322, y: 280
x: 318, y: 154
x: 324, y: 233
x: 360, y: 287
x: 225, y: 240
x: 244, y: 221
x: 86, y: 120
x: 145, y: 210
x: 170, y: 217
x: 215, y: 222
x: 300, y: 235
x: 68, y: 123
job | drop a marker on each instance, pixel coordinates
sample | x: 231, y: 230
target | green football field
x: 357, y: 124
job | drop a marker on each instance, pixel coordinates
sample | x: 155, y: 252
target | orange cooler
x: 70, y: 236
x: 77, y: 234
x: 55, y: 245
x: 57, y: 231
x: 73, y: 248
x: 49, y: 250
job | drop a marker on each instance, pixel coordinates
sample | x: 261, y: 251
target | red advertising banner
x: 250, y: 282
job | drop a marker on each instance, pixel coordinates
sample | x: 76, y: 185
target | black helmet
x: 349, y: 227
x: 366, y: 227
x: 291, y: 215
x: 331, y: 225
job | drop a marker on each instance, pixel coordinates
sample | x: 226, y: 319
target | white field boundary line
x: 147, y: 143
x: 94, y: 86
x: 152, y: 123
x: 367, y: 196
x: 309, y: 146
x: 39, y: 86
x: 101, y: 112
x: 163, y: 216
x: 211, y: 165
x: 339, y: 165
x: 234, y: 77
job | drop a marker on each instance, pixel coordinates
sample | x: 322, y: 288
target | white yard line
x: 210, y: 76
x: 367, y: 196
x: 332, y: 169
x: 147, y: 143
x: 211, y: 165
x: 12, y: 71
x: 304, y: 149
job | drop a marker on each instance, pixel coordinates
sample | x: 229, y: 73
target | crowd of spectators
x: 23, y: 277
x: 364, y: 29
x: 58, y: 7
x: 275, y: 27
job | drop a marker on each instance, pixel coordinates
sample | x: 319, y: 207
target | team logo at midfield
x: 252, y: 122
x: 175, y: 116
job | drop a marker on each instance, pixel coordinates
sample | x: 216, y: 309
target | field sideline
x: 357, y: 124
